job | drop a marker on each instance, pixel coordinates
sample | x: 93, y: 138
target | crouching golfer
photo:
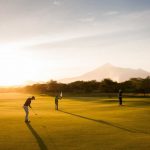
x: 26, y: 107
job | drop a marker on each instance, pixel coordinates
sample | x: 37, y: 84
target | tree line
x: 134, y: 85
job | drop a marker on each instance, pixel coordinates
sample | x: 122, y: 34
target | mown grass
x: 83, y: 123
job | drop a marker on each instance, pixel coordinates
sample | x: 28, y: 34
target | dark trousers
x: 120, y: 100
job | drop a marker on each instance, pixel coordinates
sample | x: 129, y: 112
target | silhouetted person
x: 56, y: 101
x: 26, y: 106
x: 120, y: 97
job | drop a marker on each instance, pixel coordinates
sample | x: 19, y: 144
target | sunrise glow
x: 40, y: 41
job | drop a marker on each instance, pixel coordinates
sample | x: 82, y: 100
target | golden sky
x: 53, y: 39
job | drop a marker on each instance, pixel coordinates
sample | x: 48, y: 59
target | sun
x: 18, y: 66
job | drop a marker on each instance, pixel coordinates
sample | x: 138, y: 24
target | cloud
x: 56, y: 2
x: 111, y: 13
x: 87, y: 19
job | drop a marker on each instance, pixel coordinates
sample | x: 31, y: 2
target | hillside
x: 109, y: 71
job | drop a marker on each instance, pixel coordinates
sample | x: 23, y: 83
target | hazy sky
x: 52, y: 39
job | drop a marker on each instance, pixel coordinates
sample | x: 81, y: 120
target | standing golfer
x: 120, y: 97
x: 26, y: 107
x: 56, y: 101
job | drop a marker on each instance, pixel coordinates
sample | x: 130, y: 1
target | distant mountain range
x: 109, y: 71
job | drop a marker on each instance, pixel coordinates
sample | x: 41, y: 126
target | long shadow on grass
x: 39, y: 140
x: 106, y: 123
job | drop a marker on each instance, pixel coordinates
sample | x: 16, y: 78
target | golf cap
x: 33, y: 97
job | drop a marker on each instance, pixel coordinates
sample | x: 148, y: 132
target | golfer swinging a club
x: 26, y: 107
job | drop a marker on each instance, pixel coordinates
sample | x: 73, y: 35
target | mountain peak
x: 110, y: 71
x: 107, y: 65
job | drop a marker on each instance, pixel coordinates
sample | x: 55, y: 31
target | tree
x: 145, y: 85
x: 107, y: 85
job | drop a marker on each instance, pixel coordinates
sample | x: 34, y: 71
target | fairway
x: 82, y: 123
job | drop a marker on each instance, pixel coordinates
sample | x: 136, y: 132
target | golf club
x: 34, y: 111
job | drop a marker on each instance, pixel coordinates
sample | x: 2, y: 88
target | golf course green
x: 82, y: 123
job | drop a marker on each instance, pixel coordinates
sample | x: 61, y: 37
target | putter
x: 33, y: 111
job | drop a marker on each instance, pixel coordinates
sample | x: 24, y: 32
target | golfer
x: 56, y: 101
x: 26, y: 106
x: 120, y: 97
